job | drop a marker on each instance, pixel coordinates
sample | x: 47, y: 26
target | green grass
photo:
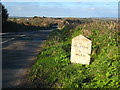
x: 53, y: 66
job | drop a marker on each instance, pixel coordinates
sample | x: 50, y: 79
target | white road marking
x: 7, y: 40
x: 22, y: 35
x: 3, y: 33
x: 11, y: 39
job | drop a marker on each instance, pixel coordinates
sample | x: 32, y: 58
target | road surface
x: 19, y: 51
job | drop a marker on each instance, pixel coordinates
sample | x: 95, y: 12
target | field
x: 53, y: 68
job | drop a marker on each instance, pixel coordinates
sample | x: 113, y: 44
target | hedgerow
x: 53, y: 66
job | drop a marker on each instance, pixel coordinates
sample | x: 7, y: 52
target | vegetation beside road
x: 54, y: 69
x: 18, y: 24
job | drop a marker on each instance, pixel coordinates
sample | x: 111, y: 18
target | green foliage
x: 4, y: 13
x: 53, y: 63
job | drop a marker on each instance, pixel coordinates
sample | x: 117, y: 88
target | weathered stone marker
x: 80, y: 50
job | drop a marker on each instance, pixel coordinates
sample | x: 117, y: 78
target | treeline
x: 47, y: 22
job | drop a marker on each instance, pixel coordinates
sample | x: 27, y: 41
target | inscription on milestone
x: 80, y: 50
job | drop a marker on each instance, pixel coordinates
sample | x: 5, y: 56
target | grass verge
x: 54, y: 69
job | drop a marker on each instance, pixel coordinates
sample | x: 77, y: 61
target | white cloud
x: 92, y: 8
x: 18, y: 8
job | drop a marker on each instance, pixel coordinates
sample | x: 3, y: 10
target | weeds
x: 54, y: 67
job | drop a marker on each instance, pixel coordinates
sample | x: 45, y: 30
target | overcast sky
x: 62, y: 9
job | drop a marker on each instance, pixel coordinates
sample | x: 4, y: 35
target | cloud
x: 18, y: 8
x: 92, y: 8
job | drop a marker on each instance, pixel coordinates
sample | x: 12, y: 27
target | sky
x: 60, y: 0
x: 62, y: 9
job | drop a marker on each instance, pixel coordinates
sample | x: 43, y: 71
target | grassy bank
x: 54, y: 69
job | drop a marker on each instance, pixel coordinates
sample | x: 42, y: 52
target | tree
x: 4, y: 13
x: 35, y: 17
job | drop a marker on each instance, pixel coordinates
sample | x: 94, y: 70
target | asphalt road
x: 19, y: 51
